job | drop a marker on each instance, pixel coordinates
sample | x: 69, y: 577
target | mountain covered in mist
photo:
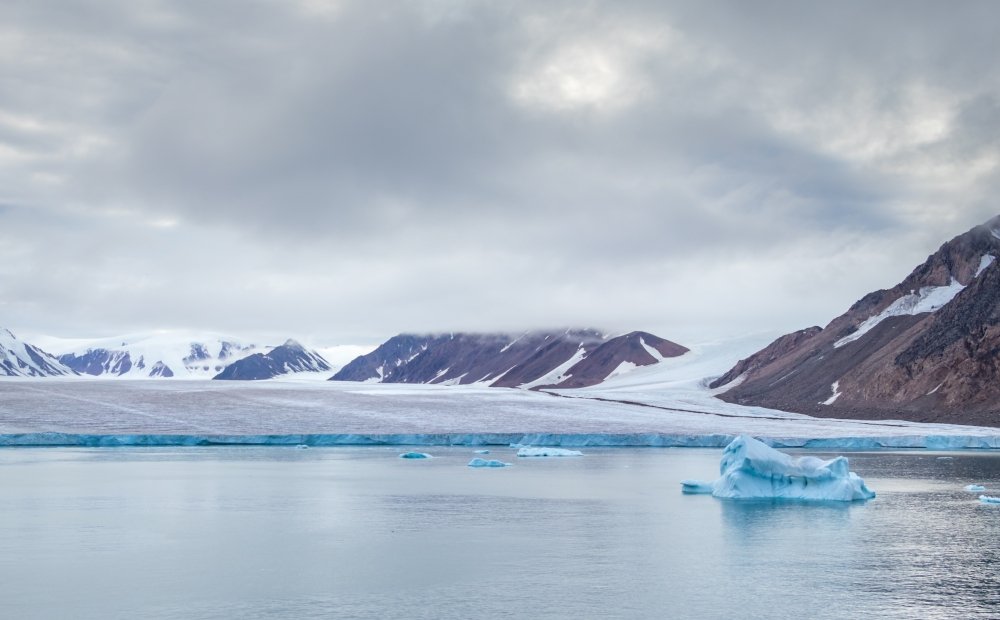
x: 536, y: 359
x: 927, y: 349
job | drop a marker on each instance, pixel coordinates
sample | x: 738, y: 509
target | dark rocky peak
x: 290, y: 357
x: 198, y: 353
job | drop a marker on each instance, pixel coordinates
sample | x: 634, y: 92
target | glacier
x: 750, y: 469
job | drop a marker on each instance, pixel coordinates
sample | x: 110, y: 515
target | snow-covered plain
x: 666, y: 404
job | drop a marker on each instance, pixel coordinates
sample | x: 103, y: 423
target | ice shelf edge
x: 625, y: 440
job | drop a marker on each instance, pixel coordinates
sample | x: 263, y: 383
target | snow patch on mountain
x: 927, y: 299
x: 558, y: 373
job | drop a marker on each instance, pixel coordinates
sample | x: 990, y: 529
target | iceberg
x: 527, y: 451
x: 478, y: 462
x: 988, y: 499
x: 751, y: 470
x: 414, y: 455
x: 482, y: 451
x: 975, y: 488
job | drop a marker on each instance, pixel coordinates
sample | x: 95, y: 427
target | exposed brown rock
x: 935, y: 366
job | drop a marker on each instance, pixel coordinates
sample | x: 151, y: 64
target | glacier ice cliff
x: 513, y: 440
x: 750, y: 469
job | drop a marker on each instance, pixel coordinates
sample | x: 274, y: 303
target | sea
x: 357, y: 532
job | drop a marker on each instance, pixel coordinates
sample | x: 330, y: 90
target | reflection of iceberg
x: 975, y: 488
x: 752, y: 470
x: 548, y: 452
x: 478, y: 462
x: 414, y: 455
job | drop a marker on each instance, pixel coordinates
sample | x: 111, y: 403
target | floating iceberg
x: 987, y: 499
x: 975, y: 488
x: 752, y: 470
x: 527, y: 451
x: 414, y: 455
x: 478, y: 462
x: 482, y: 451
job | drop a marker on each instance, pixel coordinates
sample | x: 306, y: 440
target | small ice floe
x: 482, y: 451
x: 989, y: 499
x: 752, y: 470
x: 414, y: 455
x: 302, y: 446
x: 946, y: 458
x: 975, y: 488
x: 528, y: 451
x: 478, y: 462
x: 696, y: 487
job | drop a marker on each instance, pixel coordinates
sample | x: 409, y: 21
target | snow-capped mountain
x: 549, y: 359
x: 927, y: 349
x: 153, y: 355
x: 290, y: 357
x: 20, y: 359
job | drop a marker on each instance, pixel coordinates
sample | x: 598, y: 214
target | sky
x: 342, y: 171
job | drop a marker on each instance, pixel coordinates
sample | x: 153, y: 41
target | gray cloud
x: 351, y: 170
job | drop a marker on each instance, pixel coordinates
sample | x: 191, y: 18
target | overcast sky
x: 342, y: 171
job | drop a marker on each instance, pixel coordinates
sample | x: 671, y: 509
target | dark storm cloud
x: 436, y: 165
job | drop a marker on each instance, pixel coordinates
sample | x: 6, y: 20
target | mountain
x: 927, y: 349
x: 20, y: 359
x: 288, y: 358
x: 152, y: 355
x: 550, y: 359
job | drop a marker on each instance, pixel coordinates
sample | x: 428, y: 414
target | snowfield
x: 666, y: 404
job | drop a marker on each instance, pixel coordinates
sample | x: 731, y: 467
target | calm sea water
x: 360, y: 533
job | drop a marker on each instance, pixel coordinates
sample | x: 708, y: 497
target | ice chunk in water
x: 752, y: 470
x: 988, y: 499
x: 414, y: 455
x: 478, y: 462
x: 975, y: 488
x: 548, y: 452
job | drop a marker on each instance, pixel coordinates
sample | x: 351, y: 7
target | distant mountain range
x: 290, y: 357
x: 20, y: 359
x: 927, y: 349
x: 538, y: 359
x: 532, y: 360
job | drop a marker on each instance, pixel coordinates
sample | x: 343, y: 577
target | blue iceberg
x: 987, y: 499
x: 752, y: 470
x: 414, y: 455
x: 478, y: 462
x: 975, y: 488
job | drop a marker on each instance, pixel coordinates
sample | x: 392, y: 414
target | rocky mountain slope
x: 290, y: 357
x: 927, y: 349
x: 20, y: 359
x: 550, y: 359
